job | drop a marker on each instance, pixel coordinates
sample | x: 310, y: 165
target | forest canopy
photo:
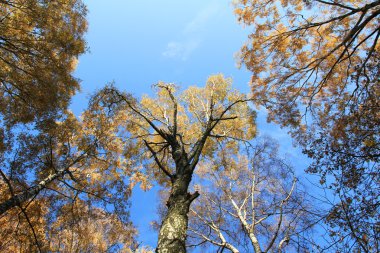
x: 223, y: 180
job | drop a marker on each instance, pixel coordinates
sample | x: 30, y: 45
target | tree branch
x: 154, y: 154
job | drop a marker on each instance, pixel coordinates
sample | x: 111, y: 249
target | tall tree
x: 39, y: 45
x: 315, y: 67
x: 50, y: 164
x: 172, y: 134
x: 250, y: 203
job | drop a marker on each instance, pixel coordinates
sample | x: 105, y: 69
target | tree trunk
x: 172, y: 235
x: 20, y: 198
x: 255, y: 242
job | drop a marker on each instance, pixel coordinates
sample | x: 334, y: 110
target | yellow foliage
x: 216, y: 111
x: 315, y: 68
x: 40, y: 44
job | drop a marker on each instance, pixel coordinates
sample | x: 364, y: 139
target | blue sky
x: 138, y: 43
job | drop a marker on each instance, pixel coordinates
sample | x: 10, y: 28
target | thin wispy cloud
x: 181, y: 50
x: 191, y: 34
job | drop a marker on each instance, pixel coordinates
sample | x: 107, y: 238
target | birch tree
x: 250, y: 203
x: 172, y: 133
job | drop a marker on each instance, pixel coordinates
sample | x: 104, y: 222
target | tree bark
x: 232, y: 248
x: 172, y: 235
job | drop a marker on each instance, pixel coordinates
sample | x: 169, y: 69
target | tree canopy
x: 50, y: 179
x: 315, y: 67
x: 39, y: 45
